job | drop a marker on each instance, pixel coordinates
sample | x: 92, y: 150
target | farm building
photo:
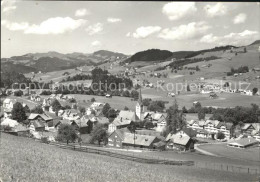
x: 187, y: 132
x: 243, y: 143
x: 64, y: 121
x: 142, y: 141
x: 44, y: 118
x: 119, y: 123
x: 21, y: 130
x: 116, y: 138
x: 179, y: 142
x: 37, y: 125
x: 82, y: 125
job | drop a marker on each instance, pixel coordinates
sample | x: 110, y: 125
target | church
x: 140, y: 109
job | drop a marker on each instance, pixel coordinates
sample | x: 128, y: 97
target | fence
x: 228, y: 168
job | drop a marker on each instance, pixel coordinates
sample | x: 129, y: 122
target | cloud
x: 241, y: 38
x: 218, y: 9
x: 94, y: 29
x: 56, y: 25
x: 96, y: 43
x: 7, y: 6
x: 177, y: 10
x: 128, y: 34
x: 81, y: 12
x: 143, y: 32
x: 113, y: 20
x: 182, y: 32
x: 240, y: 18
x: 15, y: 26
x: 210, y: 38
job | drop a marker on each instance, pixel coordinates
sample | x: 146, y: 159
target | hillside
x: 255, y: 42
x: 23, y: 159
x: 150, y: 55
x: 54, y: 61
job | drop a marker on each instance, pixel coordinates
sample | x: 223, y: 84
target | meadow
x: 25, y: 160
x: 249, y: 154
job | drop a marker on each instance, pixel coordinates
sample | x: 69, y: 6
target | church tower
x: 139, y: 108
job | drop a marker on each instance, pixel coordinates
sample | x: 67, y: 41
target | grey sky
x: 127, y: 27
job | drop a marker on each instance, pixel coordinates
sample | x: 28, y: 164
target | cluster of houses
x: 122, y: 131
x: 212, y: 89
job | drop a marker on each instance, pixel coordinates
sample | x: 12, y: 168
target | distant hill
x: 52, y: 61
x: 255, y: 42
x: 150, y: 55
x: 19, y: 68
x: 181, y: 54
x: 221, y: 48
x: 108, y: 54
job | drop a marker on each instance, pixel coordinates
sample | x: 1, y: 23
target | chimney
x: 121, y: 119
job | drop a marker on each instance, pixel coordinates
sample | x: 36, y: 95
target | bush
x: 93, y: 99
x: 18, y: 93
x: 45, y: 140
x: 220, y: 135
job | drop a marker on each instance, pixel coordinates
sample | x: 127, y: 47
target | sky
x: 125, y: 27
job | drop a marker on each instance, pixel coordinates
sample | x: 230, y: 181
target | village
x: 140, y: 128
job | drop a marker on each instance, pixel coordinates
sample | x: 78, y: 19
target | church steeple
x: 140, y: 100
x: 139, y: 106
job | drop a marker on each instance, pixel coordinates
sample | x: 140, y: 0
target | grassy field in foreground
x: 23, y: 159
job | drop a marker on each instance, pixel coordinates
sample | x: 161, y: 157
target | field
x: 23, y: 159
x: 250, y: 154
x: 187, y: 99
x: 115, y: 102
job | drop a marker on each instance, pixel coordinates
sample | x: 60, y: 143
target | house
x: 179, y: 142
x: 196, y: 124
x: 36, y: 98
x: 63, y: 121
x: 248, y: 128
x: 97, y: 105
x: 82, y: 125
x: 119, y: 123
x: 108, y: 96
x: 9, y: 103
x: 213, y: 95
x: 243, y: 143
x: 9, y: 123
x: 150, y: 133
x: 127, y: 115
x: 44, y: 118
x: 187, y: 132
x: 211, y: 126
x: 226, y: 128
x: 158, y: 119
x: 171, y: 94
x: 116, y: 138
x: 201, y: 133
x: 46, y: 102
x: 142, y: 141
x: 37, y: 125
x: 102, y: 120
x: 71, y: 114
